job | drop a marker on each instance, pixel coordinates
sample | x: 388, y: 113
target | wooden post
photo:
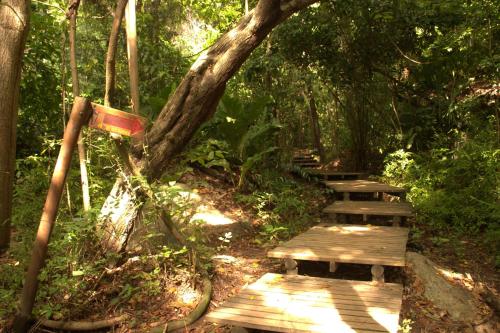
x: 291, y: 266
x: 396, y: 221
x: 79, y: 117
x: 333, y: 266
x: 346, y: 196
x: 378, y: 273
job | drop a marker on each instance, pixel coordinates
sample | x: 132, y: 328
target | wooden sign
x: 116, y: 121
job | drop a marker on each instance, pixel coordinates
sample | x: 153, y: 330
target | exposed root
x: 83, y: 325
x: 193, y: 316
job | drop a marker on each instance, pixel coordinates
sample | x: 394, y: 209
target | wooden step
x: 334, y: 175
x: 304, y: 158
x: 283, y: 303
x: 308, y: 164
x: 356, y: 244
x: 370, y: 208
x: 362, y: 186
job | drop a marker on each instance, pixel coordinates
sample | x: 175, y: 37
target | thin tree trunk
x: 72, y: 14
x: 63, y: 104
x: 313, y: 114
x: 194, y: 102
x: 14, y: 26
x: 109, y: 91
x: 118, y: 215
x: 133, y: 64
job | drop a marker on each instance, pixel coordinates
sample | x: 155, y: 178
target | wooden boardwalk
x: 357, y: 244
x: 285, y: 303
x: 292, y: 303
x: 366, y: 208
x: 362, y: 186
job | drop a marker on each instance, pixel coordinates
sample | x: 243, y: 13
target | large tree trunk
x: 14, y: 24
x: 197, y: 96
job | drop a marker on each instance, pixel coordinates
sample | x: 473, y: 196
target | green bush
x: 452, y: 189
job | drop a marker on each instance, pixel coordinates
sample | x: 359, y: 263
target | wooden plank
x: 365, y: 186
x: 371, y: 245
x: 372, y: 296
x: 370, y: 208
x: 333, y: 175
x: 314, y: 298
x: 311, y: 316
x: 341, y: 302
x: 275, y: 325
x: 269, y: 304
x: 358, y: 286
x: 357, y: 258
x: 321, y: 172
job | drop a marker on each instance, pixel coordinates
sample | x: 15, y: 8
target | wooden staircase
x: 293, y: 303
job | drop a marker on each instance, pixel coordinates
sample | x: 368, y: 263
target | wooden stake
x: 291, y: 266
x: 378, y: 273
x: 79, y: 117
x: 396, y: 221
x: 333, y: 266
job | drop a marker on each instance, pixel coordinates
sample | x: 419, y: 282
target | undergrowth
x: 78, y: 277
x: 283, y: 206
x: 454, y: 190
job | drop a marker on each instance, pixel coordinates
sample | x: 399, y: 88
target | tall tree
x: 14, y: 25
x: 194, y: 102
x: 313, y: 115
x: 82, y: 155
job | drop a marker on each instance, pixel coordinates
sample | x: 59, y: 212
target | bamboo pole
x: 80, y: 115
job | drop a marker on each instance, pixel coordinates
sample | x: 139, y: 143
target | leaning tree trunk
x: 14, y: 25
x: 193, y: 103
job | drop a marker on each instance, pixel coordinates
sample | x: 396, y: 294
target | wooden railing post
x: 79, y: 117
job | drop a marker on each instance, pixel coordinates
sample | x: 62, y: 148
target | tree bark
x: 197, y: 96
x: 71, y: 15
x: 194, y: 102
x: 14, y: 26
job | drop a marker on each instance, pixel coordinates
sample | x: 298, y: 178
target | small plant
x: 209, y: 154
x: 405, y: 326
x: 272, y: 234
x: 225, y: 240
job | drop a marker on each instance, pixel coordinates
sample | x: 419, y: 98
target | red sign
x: 116, y: 121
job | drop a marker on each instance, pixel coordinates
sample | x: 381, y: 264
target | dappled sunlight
x: 465, y: 279
x: 388, y: 319
x: 314, y: 304
x: 212, y: 217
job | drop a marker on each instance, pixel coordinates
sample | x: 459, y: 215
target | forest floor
x: 238, y: 250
